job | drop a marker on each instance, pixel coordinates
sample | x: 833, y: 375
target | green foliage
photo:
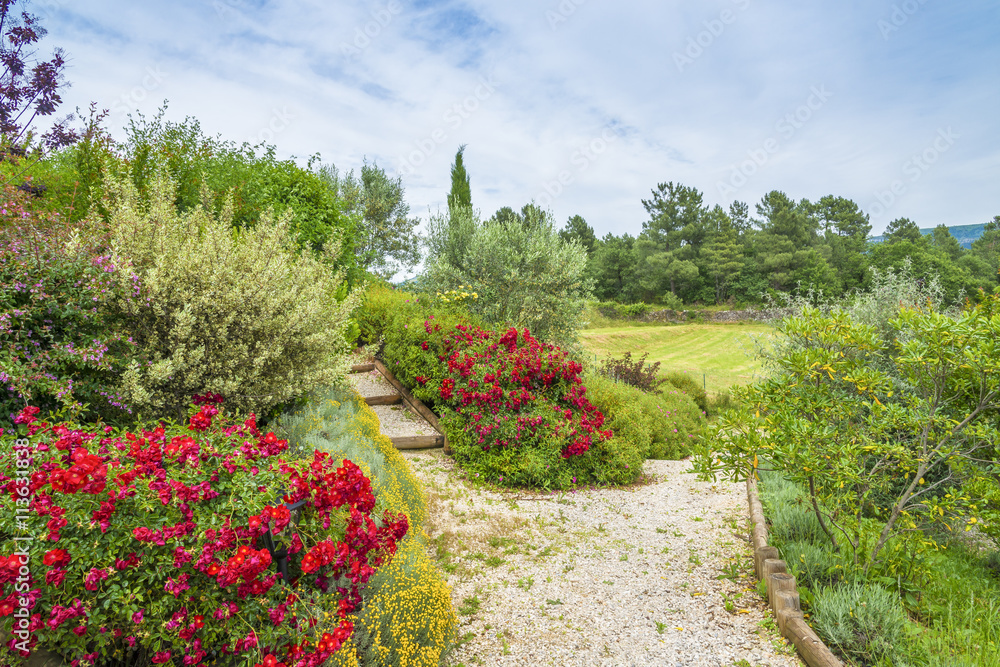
x: 385, y: 237
x: 689, y: 386
x: 623, y: 311
x: 460, y: 196
x: 578, y: 230
x: 612, y: 268
x: 863, y: 622
x: 525, y: 274
x: 210, y: 308
x: 656, y: 426
x: 848, y: 418
x: 257, y: 183
x: 72, y: 179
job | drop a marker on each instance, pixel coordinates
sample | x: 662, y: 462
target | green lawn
x: 718, y: 354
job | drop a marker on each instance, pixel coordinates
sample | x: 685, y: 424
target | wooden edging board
x: 416, y: 405
x: 418, y: 442
x: 388, y: 399
x: 782, y: 593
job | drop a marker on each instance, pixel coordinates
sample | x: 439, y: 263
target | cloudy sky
x: 580, y: 105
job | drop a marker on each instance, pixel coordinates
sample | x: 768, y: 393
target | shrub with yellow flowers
x: 457, y: 296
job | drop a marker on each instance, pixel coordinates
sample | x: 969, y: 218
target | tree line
x: 688, y: 252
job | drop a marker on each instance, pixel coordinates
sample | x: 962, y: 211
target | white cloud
x: 381, y: 79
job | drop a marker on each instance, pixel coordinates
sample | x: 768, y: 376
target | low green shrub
x: 795, y: 522
x: 812, y: 565
x: 240, y: 314
x: 863, y: 622
x: 658, y: 426
x: 688, y: 385
x: 622, y: 311
x: 720, y: 403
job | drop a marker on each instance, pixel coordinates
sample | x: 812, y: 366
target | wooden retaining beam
x: 387, y: 399
x: 418, y: 442
x: 416, y: 405
x: 782, y: 592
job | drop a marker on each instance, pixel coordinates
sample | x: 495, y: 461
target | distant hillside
x: 965, y: 234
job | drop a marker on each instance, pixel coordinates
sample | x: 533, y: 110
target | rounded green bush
x: 242, y: 314
x: 688, y: 385
x: 660, y: 426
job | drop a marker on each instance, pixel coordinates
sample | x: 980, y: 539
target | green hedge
x: 659, y: 426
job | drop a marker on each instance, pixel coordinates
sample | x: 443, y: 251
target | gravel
x: 371, y: 384
x: 656, y: 574
x: 600, y: 577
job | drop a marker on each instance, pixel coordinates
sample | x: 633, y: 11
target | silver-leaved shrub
x: 235, y: 311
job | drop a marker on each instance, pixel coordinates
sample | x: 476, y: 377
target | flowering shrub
x: 515, y: 408
x: 406, y: 619
x: 167, y: 538
x: 57, y: 348
x: 242, y: 314
x: 458, y: 295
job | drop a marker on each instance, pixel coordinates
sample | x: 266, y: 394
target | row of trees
x: 688, y: 252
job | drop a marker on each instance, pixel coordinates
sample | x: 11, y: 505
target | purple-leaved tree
x: 29, y: 87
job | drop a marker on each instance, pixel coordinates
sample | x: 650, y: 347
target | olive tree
x: 524, y: 274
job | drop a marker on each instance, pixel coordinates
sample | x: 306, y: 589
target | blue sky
x: 580, y: 105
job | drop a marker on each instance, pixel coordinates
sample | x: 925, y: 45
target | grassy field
x: 718, y: 354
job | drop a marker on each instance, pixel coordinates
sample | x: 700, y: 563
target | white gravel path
x: 600, y: 577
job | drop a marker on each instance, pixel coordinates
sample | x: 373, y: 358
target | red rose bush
x: 169, y: 539
x: 515, y: 408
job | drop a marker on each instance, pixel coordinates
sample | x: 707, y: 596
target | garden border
x: 782, y: 592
